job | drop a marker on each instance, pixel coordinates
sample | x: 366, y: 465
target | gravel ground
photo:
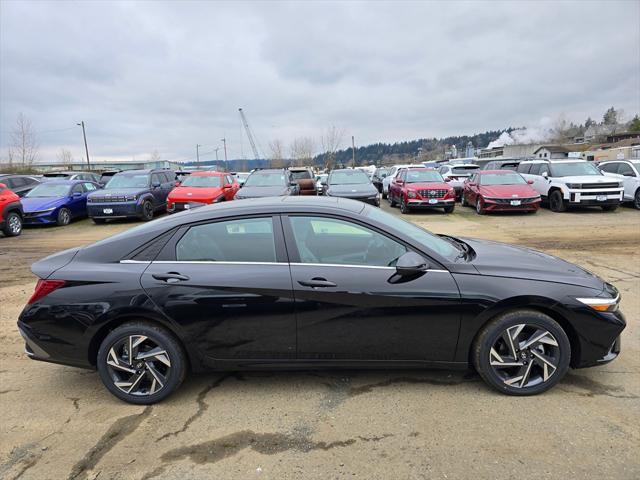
x: 59, y: 422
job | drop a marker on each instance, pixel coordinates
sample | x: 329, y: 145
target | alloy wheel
x: 64, y: 217
x: 15, y: 225
x: 138, y: 365
x: 524, y: 356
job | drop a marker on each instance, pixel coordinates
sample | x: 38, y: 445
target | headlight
x: 131, y: 198
x: 574, y: 185
x: 411, y: 194
x: 601, y: 304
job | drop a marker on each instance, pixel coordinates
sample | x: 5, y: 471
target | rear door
x: 351, y: 304
x: 227, y: 284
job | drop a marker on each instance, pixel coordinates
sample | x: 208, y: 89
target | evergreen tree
x: 610, y: 117
x: 634, y: 126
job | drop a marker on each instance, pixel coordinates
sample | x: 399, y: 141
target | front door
x: 227, y: 285
x: 351, y: 304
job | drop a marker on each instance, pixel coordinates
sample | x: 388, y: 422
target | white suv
x: 457, y: 174
x: 393, y: 171
x: 627, y: 171
x: 564, y: 183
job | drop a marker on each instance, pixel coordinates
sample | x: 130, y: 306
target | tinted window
x: 610, y: 167
x: 18, y: 181
x: 302, y: 175
x: 246, y: 240
x: 170, y: 176
x: 535, y: 168
x: 155, y: 179
x: 332, y: 241
x: 31, y: 181
x: 77, y: 188
x: 9, y: 182
x: 89, y: 187
x: 625, y: 169
x: 524, y: 168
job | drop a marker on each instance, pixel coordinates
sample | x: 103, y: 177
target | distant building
x: 491, y: 152
x: 560, y: 152
x: 101, y: 166
x: 470, y: 150
x: 522, y: 150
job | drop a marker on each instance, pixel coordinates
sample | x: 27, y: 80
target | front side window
x: 626, y: 170
x: 128, y: 181
x: 89, y: 187
x: 245, y: 240
x: 333, y: 241
x: 77, y: 188
x: 536, y: 168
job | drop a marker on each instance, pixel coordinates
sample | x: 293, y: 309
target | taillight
x: 44, y: 288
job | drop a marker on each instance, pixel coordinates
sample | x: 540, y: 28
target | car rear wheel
x: 556, y: 202
x: 404, y: 208
x: 479, y: 206
x: 523, y: 352
x: 147, y: 211
x: 463, y: 200
x: 13, y: 225
x: 392, y: 202
x: 141, y: 363
x: 64, y: 217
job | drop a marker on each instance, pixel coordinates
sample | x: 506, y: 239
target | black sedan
x: 268, y: 183
x: 299, y: 282
x: 354, y: 184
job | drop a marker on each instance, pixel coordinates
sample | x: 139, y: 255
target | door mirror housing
x: 530, y: 182
x: 411, y: 264
x: 447, y: 179
x: 76, y: 194
x: 399, y: 182
x: 545, y: 174
x: 227, y: 186
x: 156, y: 185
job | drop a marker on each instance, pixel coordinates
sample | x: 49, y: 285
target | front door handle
x: 170, y: 277
x: 317, y: 282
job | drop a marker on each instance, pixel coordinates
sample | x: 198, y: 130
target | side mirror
x: 227, y: 186
x: 77, y: 194
x: 447, y: 179
x: 545, y: 174
x: 156, y: 185
x: 399, y: 182
x: 411, y: 264
x: 178, y: 184
x: 530, y: 182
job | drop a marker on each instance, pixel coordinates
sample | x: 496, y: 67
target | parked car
x: 71, y: 175
x: 300, y: 282
x: 202, y: 188
x: 508, y: 164
x: 305, y: 179
x: 19, y: 184
x: 378, y: 177
x: 241, y: 177
x: 321, y: 182
x: 457, y: 174
x: 421, y: 188
x: 106, y: 176
x: 57, y: 202
x: 132, y: 193
x: 10, y: 212
x: 499, y: 191
x: 568, y: 183
x: 182, y: 174
x: 628, y: 171
x: 354, y: 184
x: 268, y: 183
x: 386, y: 181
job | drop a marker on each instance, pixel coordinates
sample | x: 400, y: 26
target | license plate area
x: 433, y: 201
x: 516, y: 203
x: 107, y: 211
x: 601, y: 198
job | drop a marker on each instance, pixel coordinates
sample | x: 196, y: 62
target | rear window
x: 462, y: 170
x: 302, y: 175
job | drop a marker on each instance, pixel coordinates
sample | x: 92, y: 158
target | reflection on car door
x: 351, y: 304
x: 227, y: 284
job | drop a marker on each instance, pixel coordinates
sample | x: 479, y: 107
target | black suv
x: 132, y: 193
x: 19, y: 184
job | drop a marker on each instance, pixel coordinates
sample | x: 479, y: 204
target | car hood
x: 586, y: 179
x: 194, y: 193
x: 36, y: 204
x: 359, y: 190
x: 116, y: 192
x: 258, y: 192
x: 509, y: 261
x: 428, y: 186
x: 508, y: 191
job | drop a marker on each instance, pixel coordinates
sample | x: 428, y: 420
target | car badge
x: 353, y: 191
x: 514, y: 195
x: 189, y: 194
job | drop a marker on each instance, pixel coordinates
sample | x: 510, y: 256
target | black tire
x: 449, y: 209
x: 493, y: 333
x: 12, y: 224
x: 155, y: 335
x: 556, y: 202
x: 404, y: 208
x: 392, y: 201
x: 479, y: 207
x: 463, y: 200
x: 147, y: 211
x: 99, y: 221
x: 64, y: 217
x: 609, y: 208
x: 636, y: 200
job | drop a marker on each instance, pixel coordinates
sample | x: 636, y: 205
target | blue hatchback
x: 57, y: 202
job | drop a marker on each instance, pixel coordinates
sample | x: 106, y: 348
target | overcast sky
x: 165, y: 76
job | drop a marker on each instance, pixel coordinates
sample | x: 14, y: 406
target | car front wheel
x: 479, y: 205
x: 147, y: 211
x: 64, y: 217
x: 556, y: 202
x: 13, y: 225
x: 523, y: 352
x: 141, y: 363
x: 404, y: 208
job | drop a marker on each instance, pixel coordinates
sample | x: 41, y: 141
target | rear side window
x: 245, y: 240
x: 535, y: 168
x: 89, y: 187
x: 155, y: 179
x: 524, y: 168
x: 17, y: 182
x: 610, y: 167
x: 77, y: 188
x: 625, y: 169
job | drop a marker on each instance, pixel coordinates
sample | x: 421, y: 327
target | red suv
x: 421, y: 188
x: 10, y: 212
x: 202, y: 188
x: 499, y: 191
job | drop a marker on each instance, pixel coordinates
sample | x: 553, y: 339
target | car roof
x: 136, y: 172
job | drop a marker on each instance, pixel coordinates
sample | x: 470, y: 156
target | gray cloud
x: 165, y: 76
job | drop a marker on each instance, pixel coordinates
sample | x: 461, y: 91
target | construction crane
x: 249, y: 134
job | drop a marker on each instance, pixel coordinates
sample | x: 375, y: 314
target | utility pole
x: 86, y: 149
x: 198, y: 154
x: 224, y: 144
x: 353, y: 151
x: 216, y: 149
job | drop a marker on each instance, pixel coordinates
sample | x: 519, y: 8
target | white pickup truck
x: 566, y: 183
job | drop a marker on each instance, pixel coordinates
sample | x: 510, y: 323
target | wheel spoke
x: 157, y: 376
x: 509, y: 341
x: 155, y: 354
x: 525, y: 376
x: 535, y: 338
x: 136, y: 381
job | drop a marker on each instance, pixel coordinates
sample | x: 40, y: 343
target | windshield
x: 57, y: 175
x: 502, y: 179
x: 421, y: 236
x: 348, y: 177
x: 49, y: 190
x: 265, y: 179
x: 302, y: 175
x: 202, y: 181
x: 421, y: 176
x: 571, y: 169
x: 463, y: 170
x: 128, y: 181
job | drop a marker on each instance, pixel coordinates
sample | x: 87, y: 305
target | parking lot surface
x: 59, y: 422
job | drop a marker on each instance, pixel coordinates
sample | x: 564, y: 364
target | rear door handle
x: 317, y: 283
x: 170, y: 277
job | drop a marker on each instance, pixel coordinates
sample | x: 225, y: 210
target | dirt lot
x: 59, y: 422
